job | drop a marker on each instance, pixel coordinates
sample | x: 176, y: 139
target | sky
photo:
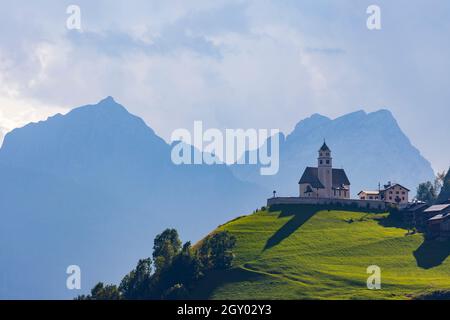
x: 231, y: 64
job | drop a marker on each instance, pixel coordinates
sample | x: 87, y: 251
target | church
x: 324, y: 181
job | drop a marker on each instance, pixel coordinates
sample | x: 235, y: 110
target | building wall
x: 344, y: 195
x: 392, y: 193
x: 302, y: 189
x: 321, y: 193
x: 445, y: 226
x: 365, y: 196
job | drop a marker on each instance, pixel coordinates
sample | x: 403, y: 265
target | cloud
x: 16, y: 112
x: 263, y: 64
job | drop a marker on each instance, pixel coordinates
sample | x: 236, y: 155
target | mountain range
x: 93, y: 187
x: 371, y: 148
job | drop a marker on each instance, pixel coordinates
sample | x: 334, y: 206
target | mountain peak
x: 382, y: 113
x: 315, y: 119
x: 359, y: 114
x: 318, y: 116
x: 106, y: 108
x: 109, y: 100
x: 105, y: 130
x: 110, y: 103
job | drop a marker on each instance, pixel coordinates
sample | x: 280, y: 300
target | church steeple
x: 324, y: 159
x: 324, y: 147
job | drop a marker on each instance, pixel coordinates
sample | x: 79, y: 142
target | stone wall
x: 363, y: 204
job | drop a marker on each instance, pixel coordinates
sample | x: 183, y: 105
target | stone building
x: 391, y: 193
x: 324, y: 181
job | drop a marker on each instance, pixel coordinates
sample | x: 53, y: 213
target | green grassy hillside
x: 301, y: 252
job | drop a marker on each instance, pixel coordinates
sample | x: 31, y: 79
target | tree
x: 439, y: 181
x: 444, y: 195
x: 166, y: 246
x: 216, y: 251
x: 138, y: 283
x: 426, y: 192
x: 102, y: 292
x: 178, y: 269
x: 177, y: 292
x: 183, y: 271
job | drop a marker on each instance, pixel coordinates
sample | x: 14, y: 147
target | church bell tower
x: 325, y: 170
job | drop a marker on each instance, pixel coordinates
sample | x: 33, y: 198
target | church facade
x: 324, y: 181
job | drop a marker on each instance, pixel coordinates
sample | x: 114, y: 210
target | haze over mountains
x: 93, y: 187
x: 2, y: 135
x: 371, y: 148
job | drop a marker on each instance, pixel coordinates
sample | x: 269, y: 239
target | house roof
x: 396, y: 184
x: 436, y: 217
x: 369, y: 192
x: 416, y: 206
x: 310, y: 175
x: 437, y: 208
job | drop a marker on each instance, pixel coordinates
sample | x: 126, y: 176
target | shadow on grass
x: 432, y: 253
x: 218, y: 278
x: 393, y: 220
x: 300, y: 214
x: 434, y: 295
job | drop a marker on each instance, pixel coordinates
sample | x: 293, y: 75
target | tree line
x: 436, y: 191
x: 173, y: 271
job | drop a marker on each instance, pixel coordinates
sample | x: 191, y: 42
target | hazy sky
x: 232, y: 64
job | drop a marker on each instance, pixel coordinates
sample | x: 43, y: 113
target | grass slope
x: 301, y: 252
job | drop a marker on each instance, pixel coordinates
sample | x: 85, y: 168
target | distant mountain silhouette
x: 371, y: 148
x: 93, y: 188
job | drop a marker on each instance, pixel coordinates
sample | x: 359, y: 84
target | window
x: 328, y: 154
x: 403, y: 192
x: 403, y: 198
x: 321, y: 162
x: 390, y: 198
x: 371, y: 198
x: 328, y: 161
x: 363, y: 198
x: 398, y: 192
x: 390, y: 192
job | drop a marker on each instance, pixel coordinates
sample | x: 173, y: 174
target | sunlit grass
x: 305, y: 253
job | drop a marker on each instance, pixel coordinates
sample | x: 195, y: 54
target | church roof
x: 340, y: 177
x: 324, y: 147
x: 311, y: 176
